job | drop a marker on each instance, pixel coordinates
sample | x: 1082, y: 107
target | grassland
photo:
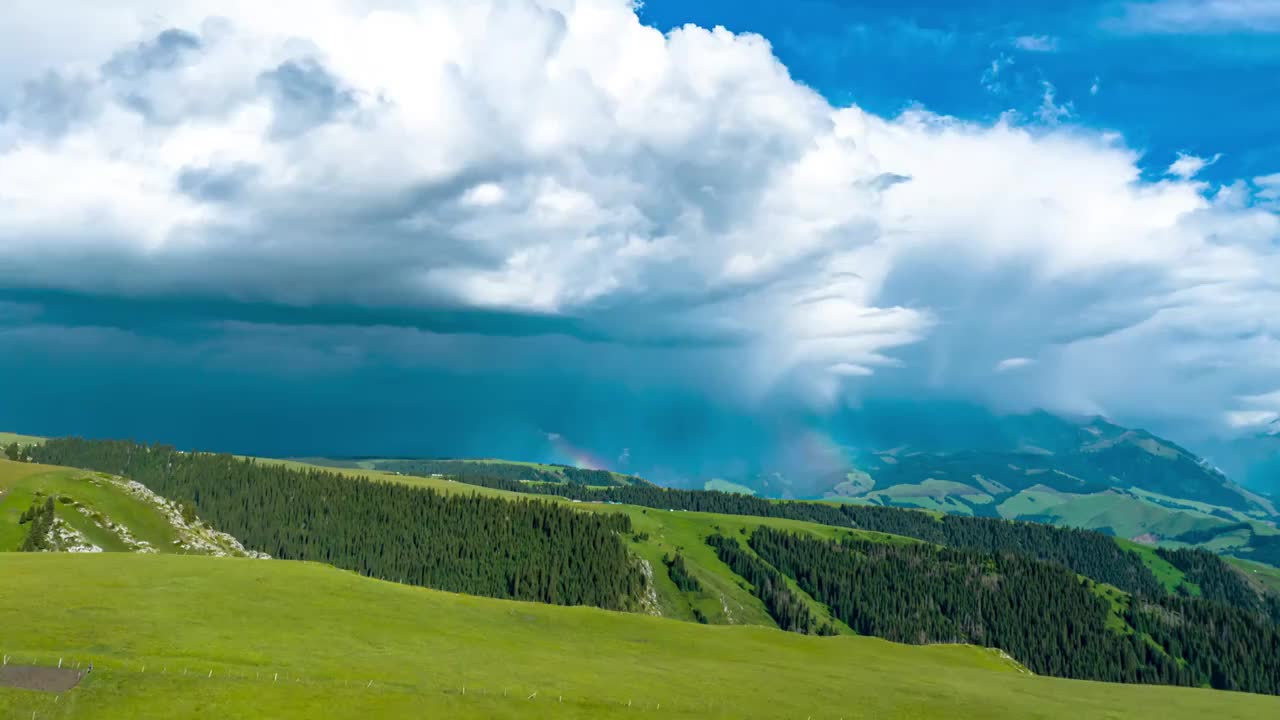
x: 7, y: 438
x: 298, y: 640
x: 97, y: 508
x: 1037, y: 500
x: 1168, y: 575
x: 1264, y: 575
x: 23, y: 483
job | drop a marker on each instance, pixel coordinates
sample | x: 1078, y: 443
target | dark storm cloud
x: 191, y: 316
x: 168, y: 314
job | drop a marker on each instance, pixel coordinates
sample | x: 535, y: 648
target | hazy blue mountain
x: 1080, y: 471
x: 1253, y: 460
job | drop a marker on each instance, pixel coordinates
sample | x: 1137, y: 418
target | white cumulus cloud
x: 1036, y: 43
x: 560, y: 159
x: 1188, y: 166
x: 1196, y: 16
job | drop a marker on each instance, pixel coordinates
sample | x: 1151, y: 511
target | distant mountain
x: 1082, y: 472
x: 1253, y: 459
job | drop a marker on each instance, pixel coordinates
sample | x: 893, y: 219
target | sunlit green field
x: 1168, y: 575
x: 23, y: 483
x: 1264, y: 575
x: 299, y: 640
x: 7, y: 438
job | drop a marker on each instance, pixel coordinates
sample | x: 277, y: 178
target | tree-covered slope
x: 521, y: 549
x: 1045, y: 616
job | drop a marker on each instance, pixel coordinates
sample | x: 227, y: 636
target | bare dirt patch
x: 45, y: 679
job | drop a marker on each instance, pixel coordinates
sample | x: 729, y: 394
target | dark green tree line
x: 1041, y: 613
x: 789, y: 611
x: 1221, y: 647
x: 39, y: 518
x: 1220, y: 582
x: 527, y: 549
x: 1086, y: 552
x: 680, y: 575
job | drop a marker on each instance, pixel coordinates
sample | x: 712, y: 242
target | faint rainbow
x: 566, y: 453
x: 814, y: 448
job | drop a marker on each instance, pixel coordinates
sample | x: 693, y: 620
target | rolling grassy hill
x: 725, y: 600
x: 198, y: 637
x: 7, y: 437
x: 100, y: 513
x: 657, y: 535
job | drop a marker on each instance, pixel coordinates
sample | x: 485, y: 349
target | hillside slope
x: 98, y: 512
x: 195, y: 637
x: 545, y: 552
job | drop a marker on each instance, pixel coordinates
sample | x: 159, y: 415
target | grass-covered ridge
x: 350, y: 647
x: 8, y: 438
x: 522, y: 549
x: 97, y: 512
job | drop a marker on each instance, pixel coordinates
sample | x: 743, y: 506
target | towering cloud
x: 507, y: 186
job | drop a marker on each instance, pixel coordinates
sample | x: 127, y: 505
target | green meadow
x: 200, y: 637
x: 79, y: 497
x: 8, y: 438
x: 1264, y: 575
x: 97, y: 507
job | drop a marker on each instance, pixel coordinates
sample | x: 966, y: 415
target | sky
x: 671, y: 237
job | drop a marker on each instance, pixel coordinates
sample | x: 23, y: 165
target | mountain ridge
x: 1086, y: 472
